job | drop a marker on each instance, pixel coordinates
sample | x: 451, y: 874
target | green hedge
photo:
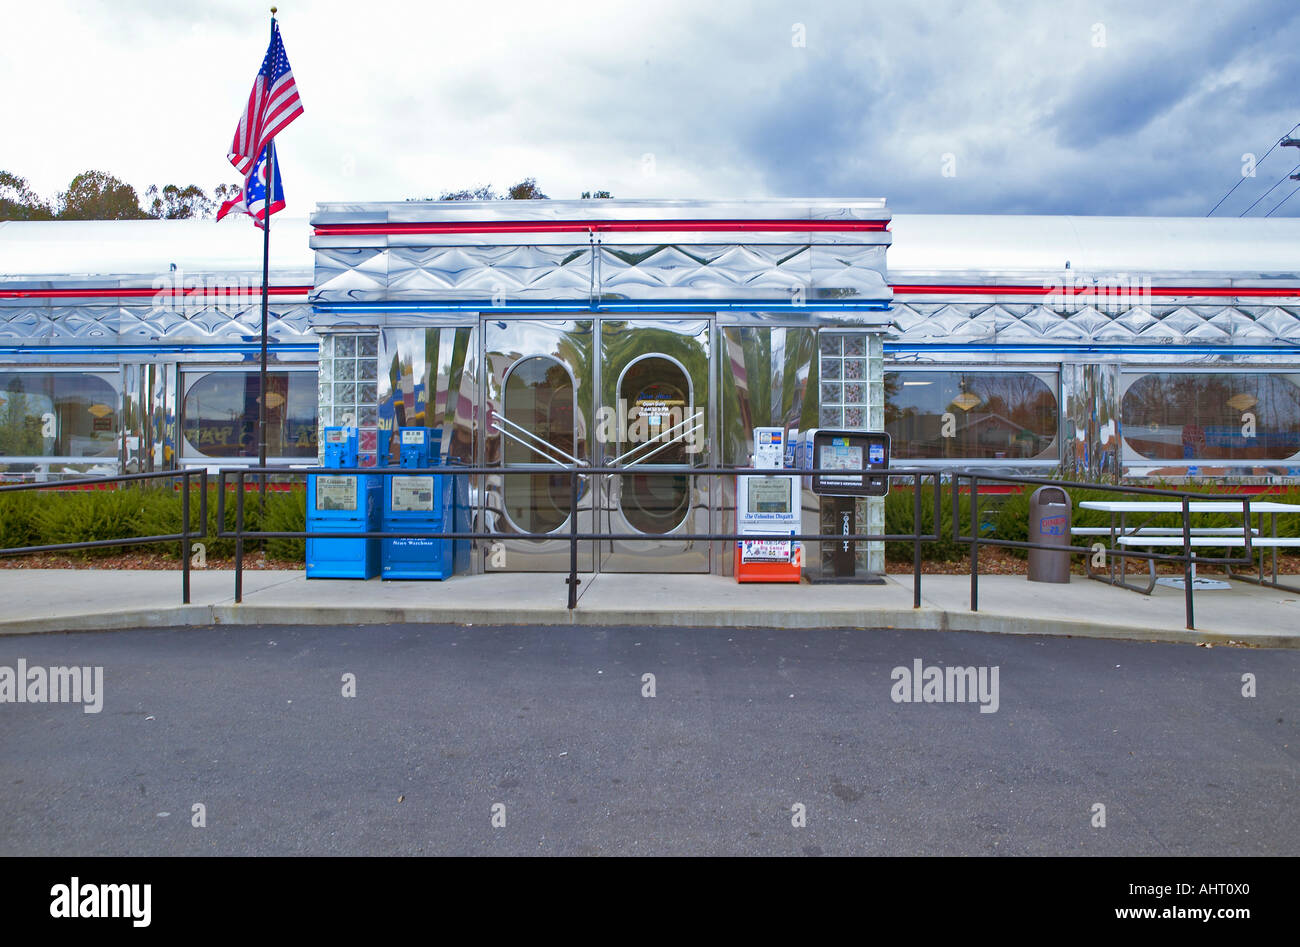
x: 898, y: 519
x: 33, y: 518
x: 47, y: 517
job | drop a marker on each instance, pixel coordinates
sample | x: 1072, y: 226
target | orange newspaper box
x: 768, y: 506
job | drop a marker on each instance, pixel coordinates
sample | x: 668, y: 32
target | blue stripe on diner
x: 899, y: 348
x: 715, y: 305
x: 249, y: 348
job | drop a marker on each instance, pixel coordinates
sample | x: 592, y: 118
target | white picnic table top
x: 1196, y: 506
x: 1263, y: 542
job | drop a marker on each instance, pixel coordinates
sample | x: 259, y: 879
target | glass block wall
x: 851, y: 396
x: 349, y: 366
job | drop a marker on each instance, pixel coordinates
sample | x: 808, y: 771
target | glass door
x: 652, y: 422
x: 539, y: 393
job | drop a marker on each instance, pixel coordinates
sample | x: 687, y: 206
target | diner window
x: 219, y: 414
x: 977, y: 415
x: 58, y: 414
x: 1212, y: 415
x: 539, y: 399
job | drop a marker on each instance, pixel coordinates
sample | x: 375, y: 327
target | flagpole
x: 266, y: 303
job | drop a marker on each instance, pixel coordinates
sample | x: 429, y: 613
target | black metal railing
x: 574, y: 536
x: 1184, y: 497
x: 958, y: 483
x: 185, y: 537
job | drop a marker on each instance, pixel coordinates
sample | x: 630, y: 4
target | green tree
x: 484, y: 193
x: 19, y: 202
x: 97, y: 195
x: 181, y: 203
x: 20, y: 432
x: 525, y: 190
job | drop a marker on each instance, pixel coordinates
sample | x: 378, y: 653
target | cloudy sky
x: 977, y: 107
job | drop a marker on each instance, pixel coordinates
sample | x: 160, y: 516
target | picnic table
x: 1247, y: 536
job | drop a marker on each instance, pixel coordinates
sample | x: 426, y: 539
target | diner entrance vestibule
x: 629, y: 393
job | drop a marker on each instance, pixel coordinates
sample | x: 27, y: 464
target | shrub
x: 89, y: 516
x: 18, y: 526
x: 161, y: 516
x: 286, y: 512
x: 898, y: 519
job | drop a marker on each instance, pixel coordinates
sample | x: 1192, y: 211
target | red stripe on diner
x: 1101, y: 292
x: 140, y: 292
x: 899, y: 289
x: 602, y: 226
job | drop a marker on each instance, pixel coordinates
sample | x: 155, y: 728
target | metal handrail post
x: 974, y: 543
x: 185, y: 537
x: 573, y: 579
x: 239, y: 537
x: 916, y: 542
x: 1187, y: 561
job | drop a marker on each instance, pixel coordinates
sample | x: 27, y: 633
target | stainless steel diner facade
x: 1142, y: 347
x: 650, y: 336
x: 656, y: 335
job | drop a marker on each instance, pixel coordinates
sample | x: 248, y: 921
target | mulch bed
x: 992, y: 562
x: 138, y: 561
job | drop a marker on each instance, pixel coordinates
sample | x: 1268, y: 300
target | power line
x: 1285, y: 177
x: 1257, y: 164
x: 1283, y: 201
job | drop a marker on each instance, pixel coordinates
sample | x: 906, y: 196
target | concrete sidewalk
x: 45, y: 600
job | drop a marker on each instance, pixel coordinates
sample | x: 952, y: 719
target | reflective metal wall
x: 513, y: 252
x: 765, y: 372
x: 427, y: 377
x: 1090, y: 421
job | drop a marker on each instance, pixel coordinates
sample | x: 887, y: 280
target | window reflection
x: 656, y: 395
x: 1213, y: 416
x: 220, y: 414
x: 539, y: 398
x: 994, y: 415
x: 57, y: 414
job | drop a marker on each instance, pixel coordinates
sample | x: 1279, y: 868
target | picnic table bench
x: 1122, y: 536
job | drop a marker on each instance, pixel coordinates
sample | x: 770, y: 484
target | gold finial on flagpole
x: 273, y: 11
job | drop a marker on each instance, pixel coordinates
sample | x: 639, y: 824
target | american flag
x: 252, y: 199
x: 272, y: 105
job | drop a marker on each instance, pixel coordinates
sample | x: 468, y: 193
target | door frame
x: 598, y: 492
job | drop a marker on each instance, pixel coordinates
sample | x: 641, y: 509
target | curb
x: 927, y: 618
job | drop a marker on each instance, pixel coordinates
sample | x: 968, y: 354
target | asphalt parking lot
x: 552, y: 732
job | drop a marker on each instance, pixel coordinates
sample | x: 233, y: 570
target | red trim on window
x: 141, y: 293
x: 900, y: 289
x: 957, y: 289
x: 601, y: 226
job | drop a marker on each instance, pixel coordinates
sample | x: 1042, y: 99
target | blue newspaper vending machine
x: 342, y: 503
x: 423, y: 502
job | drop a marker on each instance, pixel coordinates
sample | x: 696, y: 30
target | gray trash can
x: 1050, y: 514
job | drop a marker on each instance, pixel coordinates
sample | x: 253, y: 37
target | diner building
x: 655, y: 336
